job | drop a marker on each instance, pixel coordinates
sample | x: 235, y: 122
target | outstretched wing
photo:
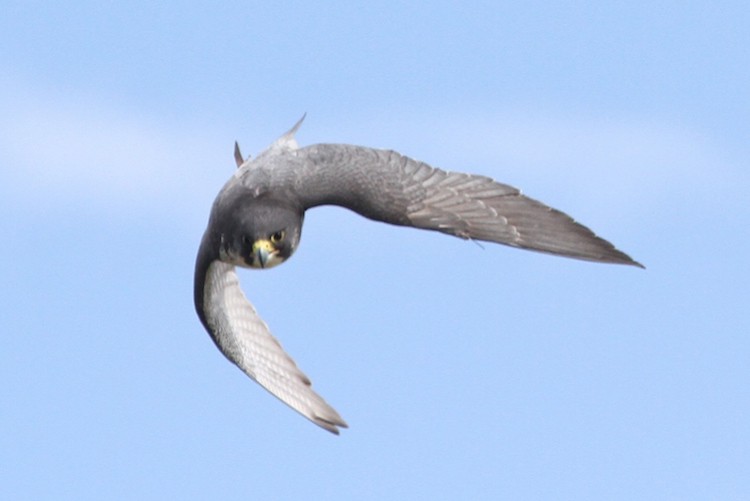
x: 245, y: 340
x: 386, y: 186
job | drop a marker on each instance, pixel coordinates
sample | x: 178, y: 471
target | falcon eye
x: 277, y: 237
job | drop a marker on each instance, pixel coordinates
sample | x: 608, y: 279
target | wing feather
x: 386, y: 186
x: 245, y: 340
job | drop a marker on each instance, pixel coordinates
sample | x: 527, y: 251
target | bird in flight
x: 256, y: 222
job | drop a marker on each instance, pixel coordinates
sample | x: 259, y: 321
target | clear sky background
x: 464, y: 371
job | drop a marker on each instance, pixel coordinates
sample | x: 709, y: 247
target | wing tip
x: 614, y: 256
x: 329, y: 419
x: 333, y: 426
x: 635, y: 263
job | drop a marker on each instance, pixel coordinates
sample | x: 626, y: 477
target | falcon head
x: 258, y: 233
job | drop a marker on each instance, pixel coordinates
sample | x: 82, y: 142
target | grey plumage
x: 256, y: 221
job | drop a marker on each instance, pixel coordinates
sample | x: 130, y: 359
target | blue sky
x: 464, y: 371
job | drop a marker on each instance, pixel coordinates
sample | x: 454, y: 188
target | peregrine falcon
x: 256, y: 222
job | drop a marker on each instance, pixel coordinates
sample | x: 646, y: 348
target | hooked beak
x: 262, y: 252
